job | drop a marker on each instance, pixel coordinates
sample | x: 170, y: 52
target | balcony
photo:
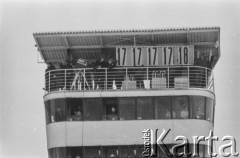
x: 129, y: 78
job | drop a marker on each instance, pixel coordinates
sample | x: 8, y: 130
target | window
x: 180, y: 107
x: 111, y: 152
x: 57, y: 110
x: 144, y: 108
x: 165, y: 151
x: 162, y: 107
x: 60, y: 152
x: 74, y: 109
x: 139, y: 150
x: 197, y: 107
x: 128, y: 151
x: 201, y: 150
x: 206, y: 151
x: 47, y: 112
x: 92, y: 152
x: 111, y: 108
x: 181, y: 150
x: 209, y: 109
x: 127, y: 108
x: 74, y: 152
x: 92, y: 109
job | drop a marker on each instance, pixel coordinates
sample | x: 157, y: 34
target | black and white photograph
x: 119, y: 78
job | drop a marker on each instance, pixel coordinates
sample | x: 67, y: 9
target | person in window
x: 184, y: 112
x: 78, y: 156
x: 199, y: 113
x: 58, y: 114
x: 168, y: 114
x: 77, y: 116
x: 113, y: 114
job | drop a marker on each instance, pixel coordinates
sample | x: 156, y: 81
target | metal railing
x: 133, y: 78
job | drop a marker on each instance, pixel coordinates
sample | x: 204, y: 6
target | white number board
x: 155, y: 55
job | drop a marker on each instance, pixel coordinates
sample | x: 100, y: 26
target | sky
x: 22, y: 118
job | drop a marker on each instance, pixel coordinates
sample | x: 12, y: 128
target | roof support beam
x: 134, y: 40
x: 101, y: 41
x: 66, y: 41
x: 113, y: 46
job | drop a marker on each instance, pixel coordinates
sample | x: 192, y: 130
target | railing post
x: 188, y: 77
x: 147, y: 74
x: 49, y: 80
x: 105, y: 78
x: 65, y: 79
x: 206, y: 77
x: 126, y: 73
x: 213, y: 81
x: 168, y: 76
x: 84, y: 79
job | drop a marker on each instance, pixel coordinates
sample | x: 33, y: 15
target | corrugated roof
x: 126, y: 31
x: 53, y: 46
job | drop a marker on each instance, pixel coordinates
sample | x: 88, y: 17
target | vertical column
x: 105, y: 78
x: 84, y: 80
x: 49, y: 80
x: 168, y: 76
x: 65, y: 78
x: 206, y: 77
x: 188, y: 77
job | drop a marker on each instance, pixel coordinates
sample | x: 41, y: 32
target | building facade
x: 104, y: 88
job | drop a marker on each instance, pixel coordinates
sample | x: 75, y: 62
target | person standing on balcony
x: 48, y: 75
x: 69, y: 74
x: 49, y: 67
x: 200, y: 73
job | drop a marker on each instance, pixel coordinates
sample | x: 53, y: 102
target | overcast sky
x: 22, y: 123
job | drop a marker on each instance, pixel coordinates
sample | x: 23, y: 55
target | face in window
x: 113, y: 110
x: 199, y: 113
x: 184, y: 111
x: 180, y: 107
x: 112, y: 114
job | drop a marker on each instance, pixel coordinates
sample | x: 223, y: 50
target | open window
x: 75, y: 109
x: 92, y: 152
x: 162, y: 107
x: 209, y: 109
x: 57, y: 110
x: 111, y: 152
x: 197, y: 107
x: 145, y: 108
x: 127, y: 108
x: 111, y: 108
x: 74, y: 152
x: 93, y: 109
x: 180, y: 107
x: 47, y: 112
x: 128, y: 151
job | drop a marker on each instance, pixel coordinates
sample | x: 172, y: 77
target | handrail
x: 125, y: 78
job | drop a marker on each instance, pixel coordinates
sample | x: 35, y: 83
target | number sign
x: 155, y: 55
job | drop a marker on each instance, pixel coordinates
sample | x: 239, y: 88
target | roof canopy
x: 53, y: 46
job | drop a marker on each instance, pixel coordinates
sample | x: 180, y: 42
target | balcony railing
x: 129, y: 78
